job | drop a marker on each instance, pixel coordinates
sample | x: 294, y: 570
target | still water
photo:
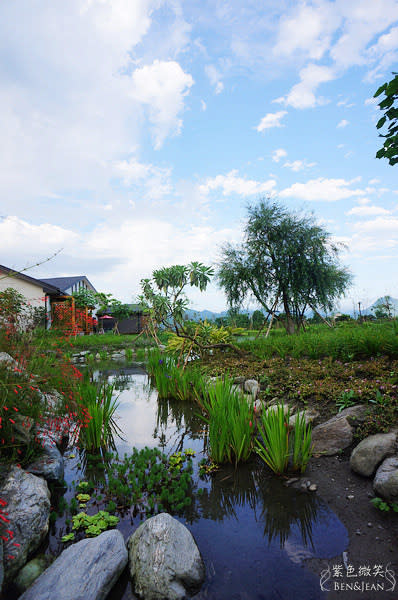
x: 253, y: 532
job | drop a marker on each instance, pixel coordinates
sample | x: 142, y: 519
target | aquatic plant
x: 278, y: 442
x: 230, y: 418
x: 101, y: 405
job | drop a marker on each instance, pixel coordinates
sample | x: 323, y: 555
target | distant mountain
x: 392, y: 301
x: 202, y: 315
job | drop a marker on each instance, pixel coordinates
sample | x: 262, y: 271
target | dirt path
x: 373, y: 535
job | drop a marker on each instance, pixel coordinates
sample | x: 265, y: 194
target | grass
x: 99, y: 431
x: 171, y: 380
x: 348, y: 341
x: 281, y: 446
x: 230, y: 418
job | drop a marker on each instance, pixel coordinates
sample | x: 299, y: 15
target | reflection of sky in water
x: 253, y: 532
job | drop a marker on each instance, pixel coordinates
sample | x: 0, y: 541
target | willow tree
x: 286, y: 262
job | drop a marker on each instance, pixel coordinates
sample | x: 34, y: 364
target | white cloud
x: 302, y: 95
x: 307, y: 30
x: 322, y: 190
x: 156, y: 180
x: 162, y: 87
x: 215, y: 78
x: 271, y: 120
x: 343, y: 123
x: 379, y: 226
x: 367, y: 211
x: 299, y: 165
x: 232, y: 184
x: 203, y: 105
x: 278, y: 154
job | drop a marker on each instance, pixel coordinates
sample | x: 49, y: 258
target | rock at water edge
x: 28, y: 507
x: 87, y: 570
x: 165, y: 562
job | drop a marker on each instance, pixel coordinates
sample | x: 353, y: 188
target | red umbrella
x: 106, y: 317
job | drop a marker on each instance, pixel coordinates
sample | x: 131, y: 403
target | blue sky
x: 135, y: 132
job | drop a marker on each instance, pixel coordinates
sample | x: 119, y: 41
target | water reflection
x: 253, y: 531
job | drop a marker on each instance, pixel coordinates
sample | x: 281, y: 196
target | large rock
x: 332, y: 436
x: 309, y: 416
x: 50, y: 465
x: 28, y: 507
x: 165, y: 562
x: 86, y: 570
x: 252, y: 387
x: 369, y: 453
x: 385, y: 483
x: 355, y: 415
x: 1, y: 565
x: 8, y: 360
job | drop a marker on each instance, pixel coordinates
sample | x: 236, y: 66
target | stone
x: 332, y: 436
x: 355, y: 415
x: 23, y: 428
x: 50, y: 465
x: 239, y: 380
x: 1, y: 565
x: 28, y: 507
x: 385, y: 483
x: 309, y: 416
x: 313, y: 487
x: 252, y: 387
x: 370, y: 452
x: 8, y: 360
x: 273, y: 408
x: 164, y: 560
x: 86, y: 570
x: 30, y: 572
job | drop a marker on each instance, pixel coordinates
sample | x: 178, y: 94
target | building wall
x: 33, y: 293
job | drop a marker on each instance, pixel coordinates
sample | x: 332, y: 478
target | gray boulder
x: 1, y: 565
x: 309, y: 416
x: 355, y: 415
x: 8, y: 360
x: 165, y: 562
x: 369, y: 453
x: 86, y: 570
x: 50, y: 465
x: 28, y: 507
x: 385, y: 483
x: 332, y: 436
x: 252, y: 387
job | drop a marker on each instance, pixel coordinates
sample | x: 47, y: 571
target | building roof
x: 46, y: 286
x: 64, y: 283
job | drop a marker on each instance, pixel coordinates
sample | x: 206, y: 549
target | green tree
x: 390, y: 146
x: 85, y: 297
x: 383, y: 309
x: 286, y: 261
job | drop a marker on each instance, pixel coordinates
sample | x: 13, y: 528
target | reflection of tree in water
x: 284, y: 508
x: 185, y: 421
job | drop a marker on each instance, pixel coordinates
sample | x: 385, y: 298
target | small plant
x: 346, y: 400
x: 101, y: 406
x: 384, y: 506
x: 93, y: 525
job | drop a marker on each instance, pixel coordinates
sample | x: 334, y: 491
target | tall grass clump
x: 99, y: 431
x: 171, y: 380
x: 230, y: 420
x: 281, y: 446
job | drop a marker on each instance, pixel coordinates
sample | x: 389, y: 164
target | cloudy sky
x: 135, y: 132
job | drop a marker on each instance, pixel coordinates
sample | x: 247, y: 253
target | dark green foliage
x: 389, y: 106
x: 287, y: 262
x: 148, y: 482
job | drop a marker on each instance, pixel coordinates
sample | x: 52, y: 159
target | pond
x: 254, y: 533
